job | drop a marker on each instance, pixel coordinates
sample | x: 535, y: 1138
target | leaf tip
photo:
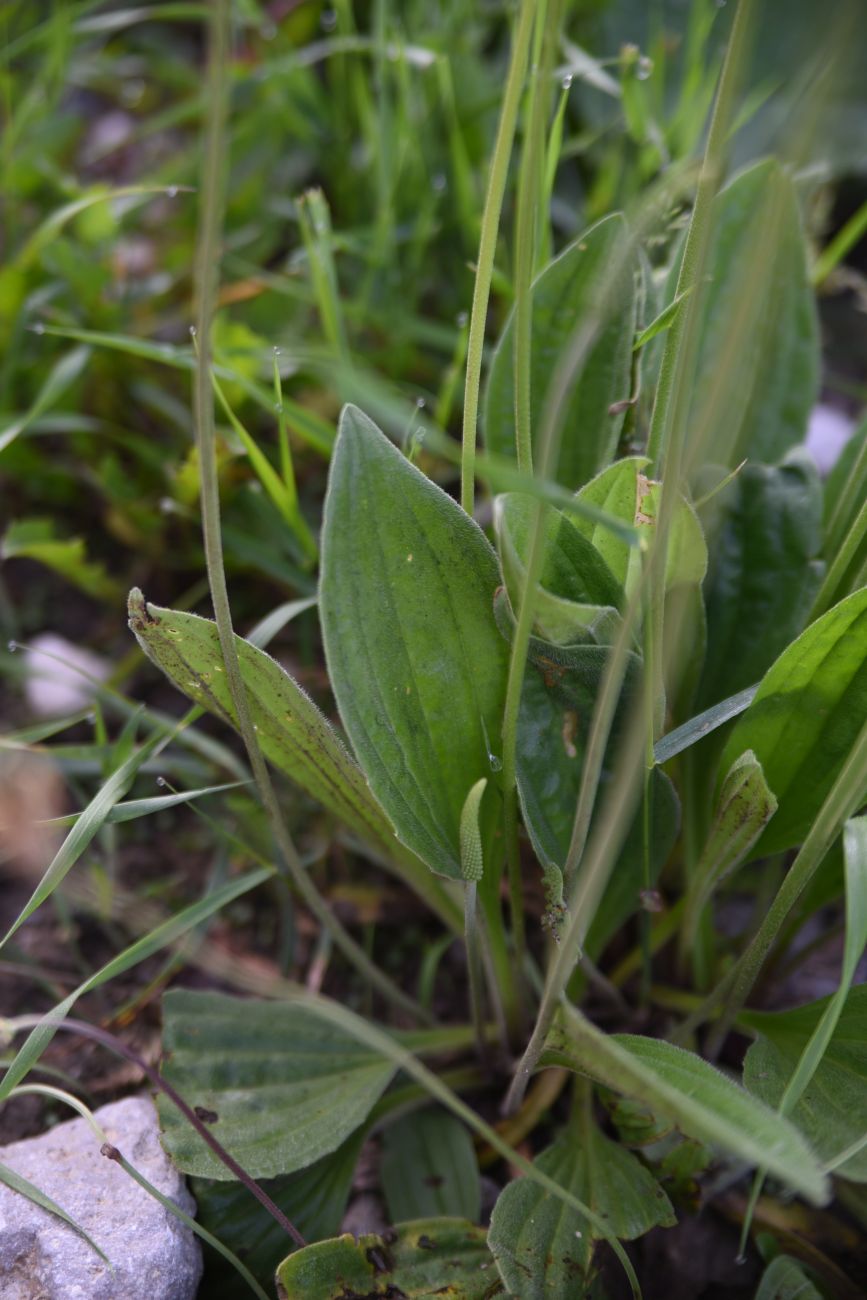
x: 137, y: 611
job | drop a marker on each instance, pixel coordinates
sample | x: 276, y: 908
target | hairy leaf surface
x: 696, y: 1097
x: 805, y: 717
x: 832, y: 1111
x: 427, y: 1257
x: 293, y: 733
x: 765, y: 535
x: 429, y: 1168
x: 757, y: 370
x: 542, y: 1246
x: 286, y: 1087
x: 576, y: 589
x: 415, y: 659
x: 593, y: 277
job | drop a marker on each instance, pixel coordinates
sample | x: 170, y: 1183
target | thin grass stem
x: 212, y: 203
x: 488, y: 246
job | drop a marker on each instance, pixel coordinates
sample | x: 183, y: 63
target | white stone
x: 154, y: 1256
x: 827, y: 434
x: 61, y: 677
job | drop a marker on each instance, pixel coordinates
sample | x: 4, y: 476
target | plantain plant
x: 567, y: 723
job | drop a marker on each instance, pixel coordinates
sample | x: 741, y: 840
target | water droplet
x: 277, y: 352
x: 567, y: 81
x: 12, y: 646
x: 39, y: 328
x: 440, y: 182
x: 162, y: 782
x: 278, y: 407
x: 193, y: 331
x: 461, y: 319
x: 167, y: 505
x: 419, y: 402
x: 644, y: 68
x: 740, y: 1260
x: 328, y: 20
x: 496, y: 764
x: 172, y: 192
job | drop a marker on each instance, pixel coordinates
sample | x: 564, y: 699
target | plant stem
x: 526, y: 230
x: 839, y: 246
x: 488, y: 246
x: 844, y: 798
x: 160, y: 1084
x: 474, y: 965
x: 851, y: 494
x: 207, y: 271
x: 845, y: 555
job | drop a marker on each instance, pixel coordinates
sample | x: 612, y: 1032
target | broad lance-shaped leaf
x: 744, y: 808
x: 429, y: 1167
x: 757, y: 369
x: 695, y: 1096
x: 282, y: 1087
x: 314, y: 1199
x: 415, y: 659
x: 764, y: 536
x: 785, y: 1279
x: 543, y: 1247
x: 625, y: 491
x: 577, y: 595
x: 806, y: 715
x: 593, y: 277
x: 823, y: 1085
x: 557, y: 701
x: 413, y: 1260
x: 292, y: 732
x: 833, y: 1109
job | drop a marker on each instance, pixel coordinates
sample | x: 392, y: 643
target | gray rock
x: 154, y: 1256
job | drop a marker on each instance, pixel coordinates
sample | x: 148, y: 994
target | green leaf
x: 744, y: 808
x: 693, y: 1095
x: 294, y: 735
x: 845, y: 489
x: 61, y: 376
x: 169, y: 932
x: 313, y: 1199
x: 34, y: 539
x: 623, y: 490
x: 415, y: 1260
x: 785, y: 1279
x: 764, y: 535
x: 429, y: 1168
x: 287, y: 1089
x: 691, y: 732
x: 757, y: 368
x: 557, y: 703
x: 822, y: 1083
x: 88, y: 824
x: 566, y: 295
x: 131, y: 809
x: 544, y: 1248
x: 832, y: 1111
x: 576, y: 586
x: 806, y: 715
x: 415, y: 659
